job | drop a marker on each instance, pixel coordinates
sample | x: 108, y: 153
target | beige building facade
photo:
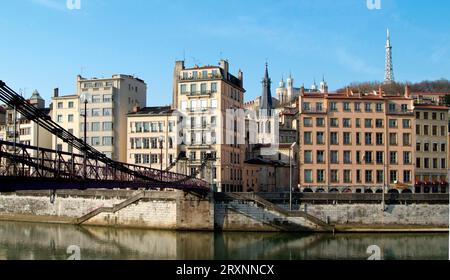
x: 205, y: 96
x: 432, y: 146
x: 109, y: 102
x: 353, y: 142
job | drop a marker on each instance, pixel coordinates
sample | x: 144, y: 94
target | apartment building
x: 153, y: 139
x: 432, y: 148
x: 354, y: 142
x: 21, y: 130
x: 109, y: 100
x: 203, y: 95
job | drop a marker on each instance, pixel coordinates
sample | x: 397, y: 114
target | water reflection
x: 25, y: 241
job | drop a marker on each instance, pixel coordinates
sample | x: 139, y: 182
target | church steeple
x: 266, y: 98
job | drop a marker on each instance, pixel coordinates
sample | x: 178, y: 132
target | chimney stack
x: 407, y: 93
x: 56, y: 92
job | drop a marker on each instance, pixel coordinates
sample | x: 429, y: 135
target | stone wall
x: 372, y: 214
x: 157, y: 210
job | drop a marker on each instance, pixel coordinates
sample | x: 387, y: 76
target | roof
x: 431, y: 93
x: 430, y: 106
x: 262, y: 161
x: 160, y: 110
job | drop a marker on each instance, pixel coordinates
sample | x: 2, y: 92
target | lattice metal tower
x: 389, y: 70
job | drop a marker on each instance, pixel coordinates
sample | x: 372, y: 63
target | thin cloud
x: 59, y: 5
x: 355, y: 63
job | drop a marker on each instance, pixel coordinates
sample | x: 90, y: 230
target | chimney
x: 136, y: 109
x: 179, y: 66
x: 56, y: 92
x: 407, y: 93
x: 302, y: 90
x: 348, y: 91
x: 224, y: 65
x: 380, y: 91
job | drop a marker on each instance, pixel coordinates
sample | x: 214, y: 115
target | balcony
x: 401, y: 112
x: 314, y: 111
x: 210, y: 76
x: 202, y: 93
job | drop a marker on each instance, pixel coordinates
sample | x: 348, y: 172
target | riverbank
x: 176, y: 210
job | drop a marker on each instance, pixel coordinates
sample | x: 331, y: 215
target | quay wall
x: 177, y: 210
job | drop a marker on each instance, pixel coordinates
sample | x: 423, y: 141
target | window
x: 393, y: 139
x: 443, y: 147
x: 392, y: 107
x: 380, y: 140
x: 347, y: 123
x: 380, y: 176
x: 418, y: 162
x: 320, y: 176
x: 357, y: 107
x: 334, y: 157
x: 346, y: 106
x: 71, y: 104
x: 153, y: 159
x: 59, y: 118
x: 333, y: 106
x: 347, y: 138
x: 443, y: 163
x: 406, y: 139
x: 193, y: 88
x: 307, y: 106
x: 407, y: 158
x: 146, y: 159
x: 334, y: 122
x: 368, y: 107
x: 308, y: 176
x: 96, y: 99
x: 183, y: 88
x: 358, y: 138
x: 418, y: 115
x: 358, y: 176
x: 404, y: 108
x: 307, y: 122
x: 308, y: 157
x: 347, y: 176
x: 393, y: 177
x: 426, y: 147
x: 146, y: 143
x: 369, y: 177
x: 443, y: 130
x: 107, y: 126
x: 334, y: 138
x: 392, y: 123
x: 60, y: 105
x: 426, y: 163
x: 434, y: 116
x: 320, y: 122
x: 320, y: 157
x: 425, y: 115
x: 214, y: 103
x: 95, y: 141
x: 213, y: 87
x: 406, y: 176
x: 358, y: 123
x: 334, y: 176
x: 95, y: 126
x: 307, y: 138
x: 320, y: 138
x: 203, y: 88
x: 368, y: 157
x: 368, y: 123
x: 108, y: 141
x: 154, y: 143
x: 70, y: 118
x: 435, y: 147
x: 319, y: 106
x: 368, y: 138
x: 107, y: 98
x: 107, y: 112
x: 347, y: 157
x: 96, y: 112
x: 406, y: 123
x: 379, y: 123
x: 435, y: 132
x: 379, y: 107
x: 435, y: 163
x: 426, y: 130
x: 380, y: 157
x: 418, y: 129
x: 393, y: 158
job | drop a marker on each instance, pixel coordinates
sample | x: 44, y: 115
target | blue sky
x: 45, y: 45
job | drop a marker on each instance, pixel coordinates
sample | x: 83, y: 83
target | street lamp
x: 85, y: 98
x: 291, y: 152
x: 161, y: 140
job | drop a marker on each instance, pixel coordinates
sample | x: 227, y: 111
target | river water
x: 27, y: 241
